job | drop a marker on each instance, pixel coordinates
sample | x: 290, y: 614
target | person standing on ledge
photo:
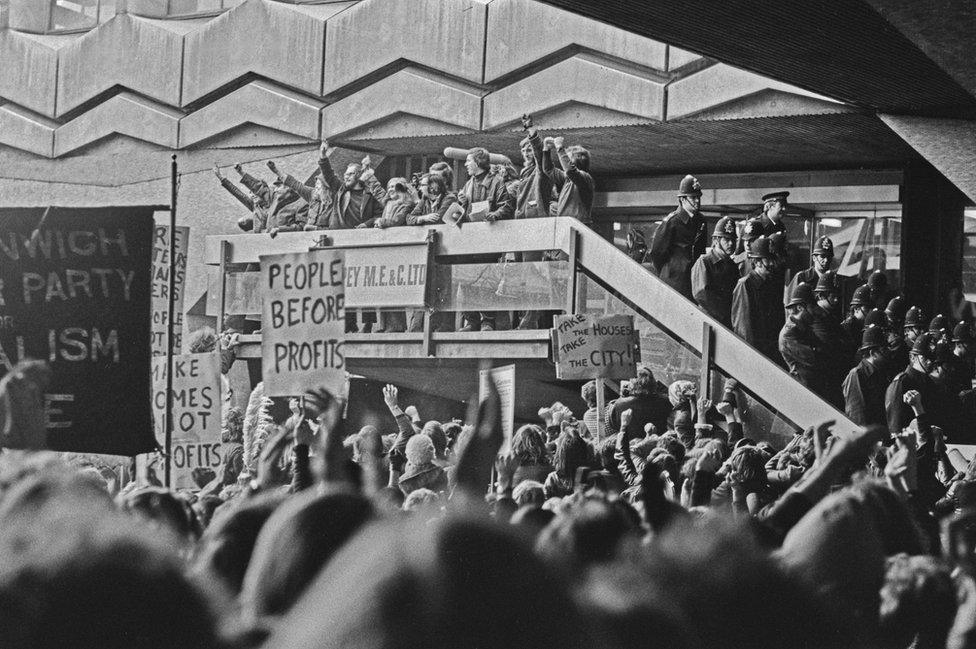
x: 680, y: 239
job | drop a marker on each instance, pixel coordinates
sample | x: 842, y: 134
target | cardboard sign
x: 160, y: 288
x: 75, y: 292
x: 504, y: 378
x: 196, y: 397
x: 303, y: 322
x: 196, y: 413
x: 588, y: 347
x: 391, y: 277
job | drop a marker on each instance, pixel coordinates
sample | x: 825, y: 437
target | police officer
x: 680, y: 239
x: 750, y: 232
x: 836, y: 347
x: 853, y: 324
x: 715, y: 274
x: 914, y: 378
x: 781, y: 262
x: 880, y: 291
x: 773, y: 211
x: 960, y: 368
x: 797, y: 344
x: 913, y: 326
x: 822, y: 257
x: 865, y: 385
x: 757, y: 312
x: 939, y: 329
x: 895, y: 312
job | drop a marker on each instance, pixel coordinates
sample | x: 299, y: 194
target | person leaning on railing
x: 483, y: 187
x: 398, y: 201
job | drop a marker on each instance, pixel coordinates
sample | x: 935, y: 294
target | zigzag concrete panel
x: 446, y: 35
x: 517, y: 37
x: 579, y: 80
x: 949, y: 144
x: 407, y: 92
x: 274, y: 40
x: 29, y: 74
x: 259, y: 102
x: 141, y: 55
x: 126, y: 114
x: 27, y: 131
x: 719, y: 84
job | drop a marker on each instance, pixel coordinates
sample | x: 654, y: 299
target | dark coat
x: 678, y: 242
x: 427, y: 206
x: 713, y: 279
x: 800, y: 349
x: 490, y: 187
x: 864, y: 394
x: 757, y: 314
x: 350, y: 207
x: 533, y: 192
x: 838, y: 353
x: 576, y: 188
x: 899, y: 413
x: 648, y: 409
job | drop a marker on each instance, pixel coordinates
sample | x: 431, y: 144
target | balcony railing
x: 678, y: 340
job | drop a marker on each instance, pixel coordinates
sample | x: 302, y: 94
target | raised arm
x: 325, y: 167
x: 233, y: 189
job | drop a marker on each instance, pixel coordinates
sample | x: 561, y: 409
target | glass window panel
x: 72, y: 15
x: 863, y: 245
x: 969, y: 255
x: 537, y: 286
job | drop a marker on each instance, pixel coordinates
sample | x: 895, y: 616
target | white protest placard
x: 303, y: 322
x: 391, y: 277
x: 504, y: 378
x: 196, y: 396
x: 592, y: 347
x: 196, y: 413
x: 160, y: 288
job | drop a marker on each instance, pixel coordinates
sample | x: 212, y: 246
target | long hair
x: 529, y: 445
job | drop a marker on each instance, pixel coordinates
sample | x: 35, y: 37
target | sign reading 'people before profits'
x: 303, y: 322
x: 592, y: 347
x: 75, y: 293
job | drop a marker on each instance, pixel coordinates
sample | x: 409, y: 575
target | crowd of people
x: 554, y: 180
x: 862, y: 357
x: 664, y: 523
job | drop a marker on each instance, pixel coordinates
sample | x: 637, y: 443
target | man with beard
x: 352, y: 204
x: 797, y: 344
x: 680, y: 239
x: 714, y: 275
x: 866, y: 384
x: 757, y: 312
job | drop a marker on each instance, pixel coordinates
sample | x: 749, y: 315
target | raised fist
x: 367, y: 162
x: 547, y: 144
x: 239, y: 169
x: 558, y: 142
x: 526, y: 122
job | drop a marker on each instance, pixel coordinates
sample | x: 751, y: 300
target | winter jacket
x: 713, y: 279
x: 678, y: 242
x: 351, y: 207
x: 431, y: 207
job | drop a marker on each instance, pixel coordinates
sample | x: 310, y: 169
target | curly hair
x: 644, y: 384
x: 747, y: 466
x: 529, y: 445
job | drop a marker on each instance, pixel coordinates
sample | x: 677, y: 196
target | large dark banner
x: 75, y: 292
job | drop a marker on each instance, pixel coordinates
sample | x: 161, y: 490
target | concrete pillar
x: 931, y: 237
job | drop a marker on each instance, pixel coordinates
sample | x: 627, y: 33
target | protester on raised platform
x: 353, y: 202
x: 573, y: 183
x: 483, y: 197
x: 257, y: 203
x: 318, y: 196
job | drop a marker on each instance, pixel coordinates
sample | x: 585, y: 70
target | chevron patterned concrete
x: 141, y: 55
x: 444, y: 35
x: 28, y: 131
x: 259, y: 102
x: 719, y: 84
x: 579, y: 80
x: 29, y: 74
x: 446, y: 106
x: 125, y: 114
x: 278, y: 41
x: 522, y: 32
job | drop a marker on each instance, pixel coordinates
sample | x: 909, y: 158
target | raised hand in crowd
x: 901, y: 470
x: 217, y: 173
x: 277, y: 172
x: 239, y: 169
x: 477, y: 458
x: 327, y: 409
